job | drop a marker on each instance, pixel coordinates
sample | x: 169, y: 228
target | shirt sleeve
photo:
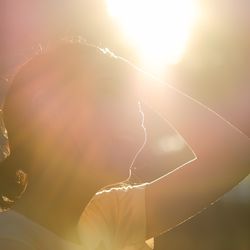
x: 115, y: 219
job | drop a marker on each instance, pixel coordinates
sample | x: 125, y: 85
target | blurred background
x: 202, y: 47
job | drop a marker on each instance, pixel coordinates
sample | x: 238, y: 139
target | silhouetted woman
x: 75, y: 127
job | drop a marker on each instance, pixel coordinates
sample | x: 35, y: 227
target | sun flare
x: 159, y: 29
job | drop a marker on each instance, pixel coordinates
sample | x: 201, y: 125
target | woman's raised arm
x: 222, y: 157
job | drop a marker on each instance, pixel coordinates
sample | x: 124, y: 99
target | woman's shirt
x: 115, y: 219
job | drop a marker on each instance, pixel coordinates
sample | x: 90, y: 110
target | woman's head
x: 71, y: 112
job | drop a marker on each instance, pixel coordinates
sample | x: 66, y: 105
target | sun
x: 159, y: 29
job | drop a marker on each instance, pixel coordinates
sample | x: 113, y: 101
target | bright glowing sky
x: 159, y: 29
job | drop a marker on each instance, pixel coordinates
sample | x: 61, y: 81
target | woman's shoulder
x: 11, y: 222
x: 17, y: 230
x: 12, y: 244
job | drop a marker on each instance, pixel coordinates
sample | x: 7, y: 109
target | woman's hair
x: 24, y: 103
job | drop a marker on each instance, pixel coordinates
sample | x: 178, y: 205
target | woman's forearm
x: 222, y: 152
x: 208, y: 134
